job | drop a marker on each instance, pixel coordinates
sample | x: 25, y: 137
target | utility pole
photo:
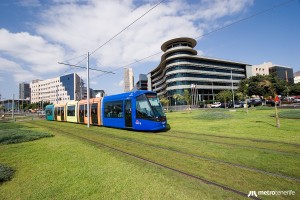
x: 212, y: 91
x: 88, y: 89
x: 88, y: 82
x: 232, y: 91
x: 12, y: 106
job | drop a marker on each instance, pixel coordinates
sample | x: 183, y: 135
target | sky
x: 37, y: 34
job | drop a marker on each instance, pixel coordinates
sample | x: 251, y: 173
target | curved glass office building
x: 181, y: 68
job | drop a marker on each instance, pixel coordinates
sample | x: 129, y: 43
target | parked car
x: 227, y: 105
x: 216, y: 105
x: 254, y: 102
x: 296, y: 100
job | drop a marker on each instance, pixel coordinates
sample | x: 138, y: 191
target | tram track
x: 230, y: 144
x: 200, y: 157
x: 238, y: 138
x: 203, y: 180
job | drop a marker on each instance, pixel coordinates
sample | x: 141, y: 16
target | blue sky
x: 36, y: 34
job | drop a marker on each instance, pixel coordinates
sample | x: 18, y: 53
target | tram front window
x: 148, y: 107
x: 156, y: 106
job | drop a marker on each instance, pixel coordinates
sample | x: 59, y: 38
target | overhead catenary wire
x: 246, y: 18
x: 113, y: 37
x: 215, y: 30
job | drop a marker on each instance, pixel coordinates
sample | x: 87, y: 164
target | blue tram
x: 139, y: 110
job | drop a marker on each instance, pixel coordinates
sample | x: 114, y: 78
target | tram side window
x: 58, y: 111
x: 143, y: 109
x: 48, y: 112
x: 113, y: 109
x: 71, y: 110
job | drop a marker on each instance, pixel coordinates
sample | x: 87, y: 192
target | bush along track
x: 6, y: 173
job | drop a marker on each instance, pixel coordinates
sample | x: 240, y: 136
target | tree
x: 187, y: 97
x: 164, y: 101
x: 224, y: 96
x: 268, y: 85
x: 177, y: 97
x: 295, y: 89
x: 252, y: 85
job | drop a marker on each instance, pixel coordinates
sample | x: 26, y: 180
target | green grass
x: 16, y: 133
x: 64, y: 167
x: 290, y: 114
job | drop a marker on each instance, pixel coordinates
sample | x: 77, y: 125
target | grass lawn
x: 235, y: 149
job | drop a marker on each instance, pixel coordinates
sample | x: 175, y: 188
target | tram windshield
x: 149, y: 107
x: 48, y: 112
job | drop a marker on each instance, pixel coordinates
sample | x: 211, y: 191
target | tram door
x: 94, y: 113
x: 55, y: 114
x: 81, y: 113
x: 128, y: 114
x: 62, y: 113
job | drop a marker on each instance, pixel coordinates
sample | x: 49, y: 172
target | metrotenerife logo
x: 252, y: 194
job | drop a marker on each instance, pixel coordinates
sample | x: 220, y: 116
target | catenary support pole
x: 88, y: 89
x: 232, y: 91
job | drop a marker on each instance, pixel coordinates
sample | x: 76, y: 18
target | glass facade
x: 68, y: 82
x: 180, y: 68
x: 283, y: 73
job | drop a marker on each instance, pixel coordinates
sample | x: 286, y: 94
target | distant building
x: 182, y: 69
x: 16, y: 104
x: 297, y: 77
x: 24, y: 90
x: 128, y: 80
x: 84, y: 93
x: 142, y: 84
x: 99, y: 93
x: 282, y: 72
x: 262, y: 69
x: 56, y: 90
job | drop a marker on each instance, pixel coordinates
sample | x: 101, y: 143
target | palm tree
x: 164, y: 101
x: 177, y: 97
x: 187, y: 97
x: 270, y: 86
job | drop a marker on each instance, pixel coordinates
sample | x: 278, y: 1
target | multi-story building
x: 128, y: 80
x: 142, y: 84
x: 262, y: 69
x: 282, y: 72
x: 181, y: 68
x: 297, y: 77
x: 24, y: 90
x: 56, y: 90
x: 99, y: 93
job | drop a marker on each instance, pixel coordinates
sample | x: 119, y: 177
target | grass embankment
x: 16, y: 133
x: 235, y: 149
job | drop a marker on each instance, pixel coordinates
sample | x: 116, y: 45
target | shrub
x: 6, y: 173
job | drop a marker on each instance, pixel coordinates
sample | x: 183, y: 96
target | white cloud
x: 121, y: 83
x: 33, y: 51
x: 65, y: 29
x: 84, y: 27
x: 14, y: 69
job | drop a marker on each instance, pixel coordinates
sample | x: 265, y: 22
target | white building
x: 297, y: 77
x: 56, y: 90
x: 262, y: 69
x: 128, y: 80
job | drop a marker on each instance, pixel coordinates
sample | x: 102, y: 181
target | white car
x: 216, y: 105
